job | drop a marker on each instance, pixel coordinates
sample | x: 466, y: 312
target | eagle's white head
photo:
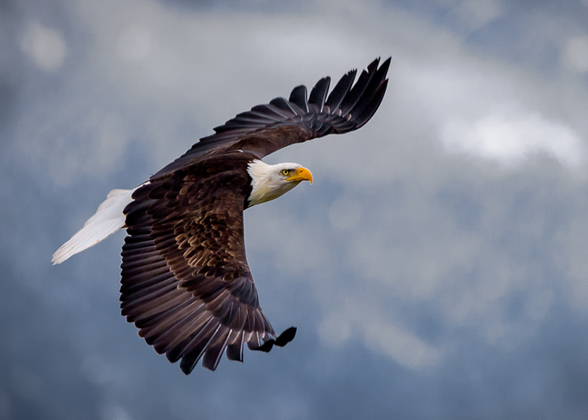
x: 271, y: 181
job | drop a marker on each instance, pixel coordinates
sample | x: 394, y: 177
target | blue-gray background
x: 437, y: 268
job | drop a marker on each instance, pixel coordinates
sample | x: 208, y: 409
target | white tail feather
x: 108, y: 219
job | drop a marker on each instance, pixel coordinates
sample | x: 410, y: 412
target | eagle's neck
x: 266, y: 183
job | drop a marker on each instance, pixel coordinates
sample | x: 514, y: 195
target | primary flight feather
x: 185, y: 280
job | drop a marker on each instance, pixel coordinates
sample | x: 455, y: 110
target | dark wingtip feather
x: 285, y: 105
x: 363, y: 99
x: 359, y: 88
x: 235, y: 352
x: 368, y: 101
x: 383, y: 70
x: 284, y: 338
x: 186, y: 370
x: 215, y: 350
x: 340, y: 90
x: 370, y: 109
x: 318, y: 93
x: 298, y: 97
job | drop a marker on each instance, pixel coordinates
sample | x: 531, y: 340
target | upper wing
x: 270, y: 127
x: 185, y: 280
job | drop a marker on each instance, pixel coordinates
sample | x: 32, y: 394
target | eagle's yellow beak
x: 301, y: 174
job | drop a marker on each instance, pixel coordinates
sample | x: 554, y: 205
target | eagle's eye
x: 286, y: 172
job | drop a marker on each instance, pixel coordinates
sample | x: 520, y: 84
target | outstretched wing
x: 185, y: 280
x: 267, y: 128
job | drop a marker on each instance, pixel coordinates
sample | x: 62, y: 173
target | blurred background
x: 436, y: 269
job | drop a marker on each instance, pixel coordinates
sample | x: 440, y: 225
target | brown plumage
x: 185, y: 280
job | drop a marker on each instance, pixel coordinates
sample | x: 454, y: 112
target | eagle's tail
x: 108, y: 219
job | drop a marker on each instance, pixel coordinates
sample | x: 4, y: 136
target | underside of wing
x: 267, y: 128
x: 185, y: 280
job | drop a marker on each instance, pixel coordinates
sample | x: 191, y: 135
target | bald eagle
x: 185, y: 280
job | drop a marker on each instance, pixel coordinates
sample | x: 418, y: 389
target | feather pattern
x: 267, y: 128
x: 189, y: 295
x: 185, y: 280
